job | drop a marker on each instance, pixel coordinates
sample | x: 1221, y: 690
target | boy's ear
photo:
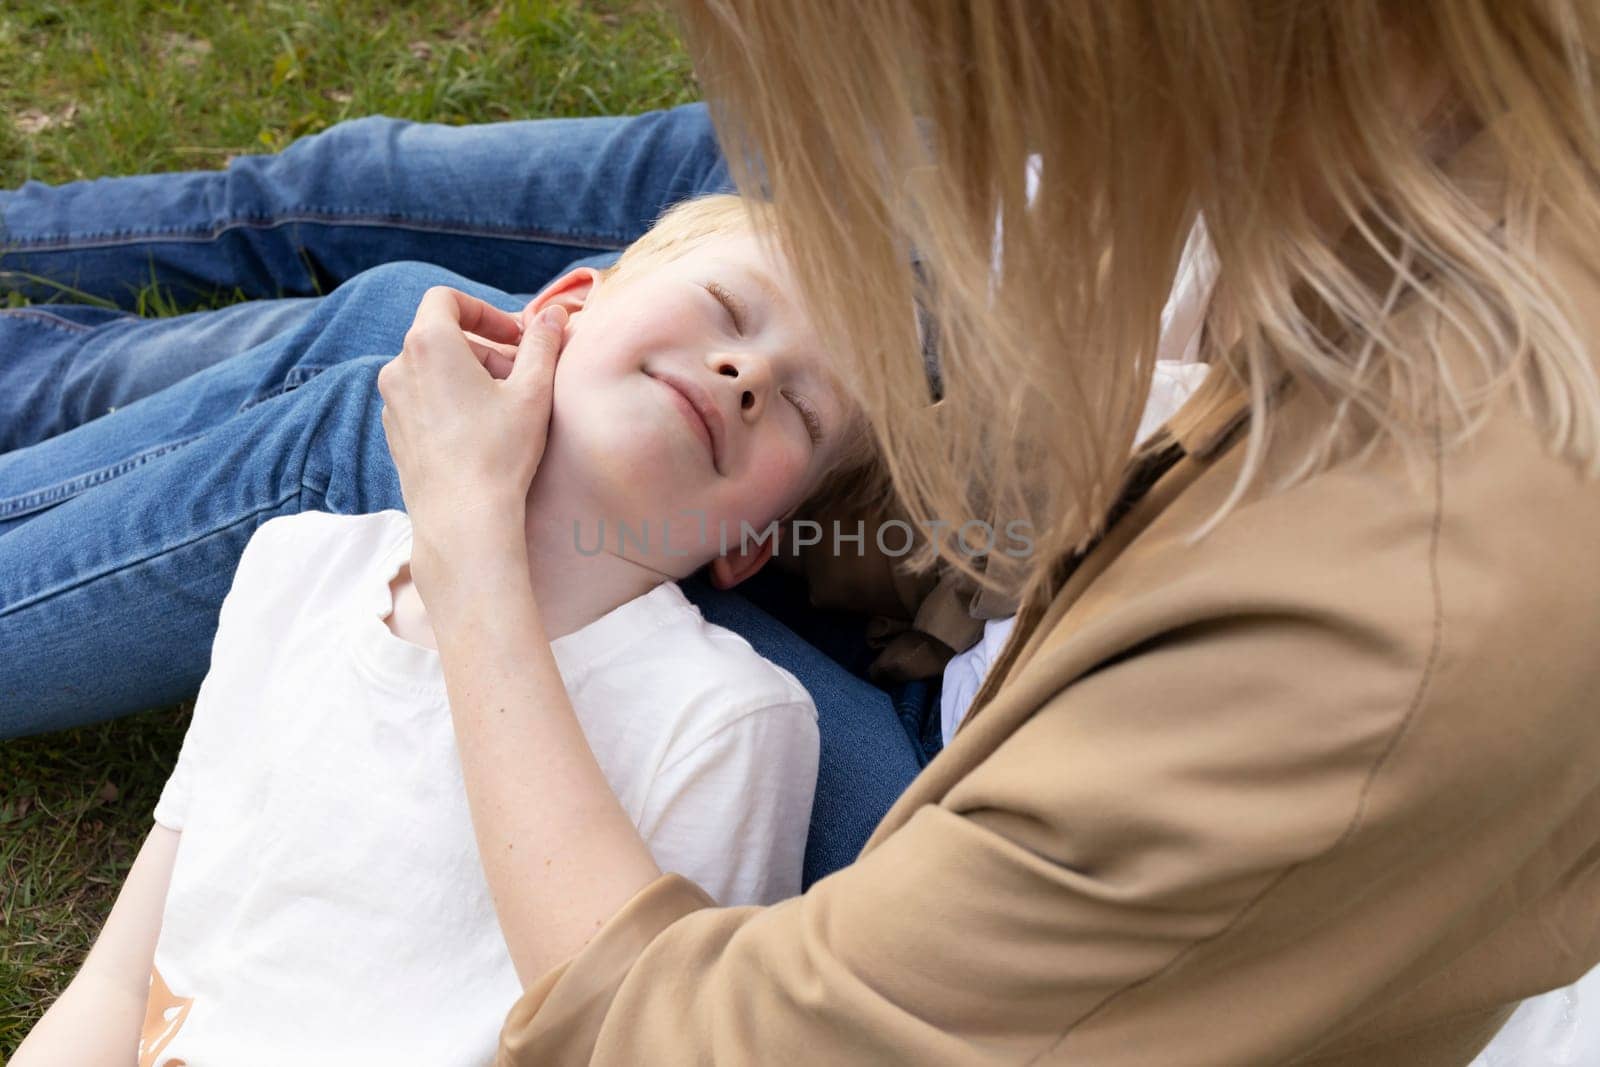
x: 740, y: 563
x: 572, y: 291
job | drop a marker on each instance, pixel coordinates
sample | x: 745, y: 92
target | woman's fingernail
x: 554, y: 316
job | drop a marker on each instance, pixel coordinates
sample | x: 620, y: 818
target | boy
x: 312, y: 889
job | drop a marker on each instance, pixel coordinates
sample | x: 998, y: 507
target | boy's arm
x: 97, y: 1020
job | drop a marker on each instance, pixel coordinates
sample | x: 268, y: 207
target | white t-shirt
x: 327, y: 904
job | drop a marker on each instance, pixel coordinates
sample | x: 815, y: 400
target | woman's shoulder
x: 1464, y: 567
x: 1394, y: 617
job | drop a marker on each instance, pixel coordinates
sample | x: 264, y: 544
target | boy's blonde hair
x: 880, y: 125
x: 684, y: 227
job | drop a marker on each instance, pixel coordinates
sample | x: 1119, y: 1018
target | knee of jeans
x: 344, y: 404
x: 347, y: 466
x: 354, y: 382
x: 394, y: 289
x: 383, y: 299
x: 367, y: 315
x: 342, y: 137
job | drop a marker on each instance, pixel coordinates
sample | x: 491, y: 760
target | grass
x: 98, y: 87
x: 76, y: 806
x: 104, y: 87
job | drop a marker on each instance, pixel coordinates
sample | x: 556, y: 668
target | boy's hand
x: 466, y: 425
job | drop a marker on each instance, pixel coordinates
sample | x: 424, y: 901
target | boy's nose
x: 751, y: 381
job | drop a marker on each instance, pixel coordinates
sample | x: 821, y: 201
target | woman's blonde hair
x: 889, y: 132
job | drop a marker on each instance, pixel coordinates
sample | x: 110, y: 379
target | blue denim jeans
x: 137, y: 456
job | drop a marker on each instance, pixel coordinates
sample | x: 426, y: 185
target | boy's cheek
x: 781, y: 471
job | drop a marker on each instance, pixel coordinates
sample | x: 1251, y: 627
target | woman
x: 1292, y: 756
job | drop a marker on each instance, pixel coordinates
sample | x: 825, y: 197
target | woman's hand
x: 466, y: 425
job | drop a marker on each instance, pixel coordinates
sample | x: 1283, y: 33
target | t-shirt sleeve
x: 263, y: 568
x: 173, y: 806
x: 732, y: 812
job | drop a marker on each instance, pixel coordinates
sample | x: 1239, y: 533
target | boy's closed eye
x: 738, y: 311
x: 808, y: 415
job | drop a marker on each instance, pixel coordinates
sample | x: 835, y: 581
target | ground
x: 105, y: 87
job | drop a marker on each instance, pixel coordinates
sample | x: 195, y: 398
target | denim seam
x: 12, y: 507
x: 45, y: 318
x: 294, y: 379
x: 606, y: 242
x: 83, y: 580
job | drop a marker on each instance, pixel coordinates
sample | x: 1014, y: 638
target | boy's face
x: 693, y: 386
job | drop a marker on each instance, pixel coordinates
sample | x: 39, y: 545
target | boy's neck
x: 572, y: 588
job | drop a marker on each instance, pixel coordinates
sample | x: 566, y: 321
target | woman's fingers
x: 493, y: 336
x: 496, y: 358
x: 457, y: 432
x: 441, y: 331
x: 443, y: 304
x: 540, y: 346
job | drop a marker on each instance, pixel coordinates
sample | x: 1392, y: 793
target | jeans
x: 137, y: 456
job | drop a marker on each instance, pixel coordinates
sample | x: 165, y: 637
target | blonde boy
x: 311, y: 891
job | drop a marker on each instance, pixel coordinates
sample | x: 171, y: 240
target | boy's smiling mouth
x: 702, y: 414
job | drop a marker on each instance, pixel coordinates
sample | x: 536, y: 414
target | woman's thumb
x: 540, y: 345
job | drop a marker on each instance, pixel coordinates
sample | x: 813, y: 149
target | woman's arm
x: 1235, y: 846
x: 97, y: 1020
x: 559, y: 853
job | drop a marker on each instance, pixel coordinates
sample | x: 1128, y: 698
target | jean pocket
x: 42, y: 498
x: 294, y: 379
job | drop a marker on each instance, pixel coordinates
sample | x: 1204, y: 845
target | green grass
x: 77, y: 805
x: 104, y: 87
x: 130, y: 86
